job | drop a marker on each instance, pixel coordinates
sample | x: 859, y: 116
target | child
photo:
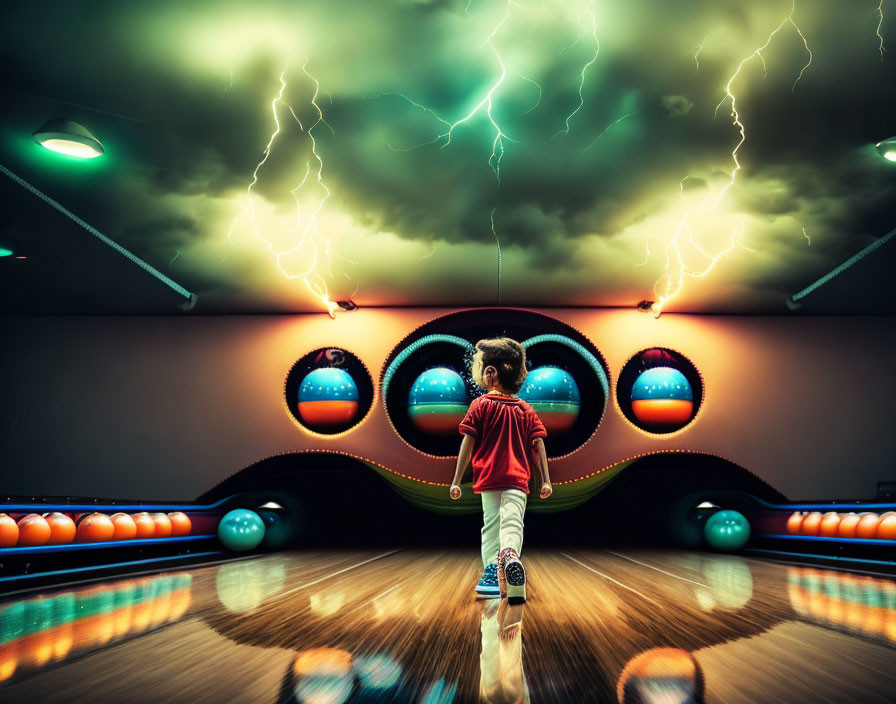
x: 504, y: 437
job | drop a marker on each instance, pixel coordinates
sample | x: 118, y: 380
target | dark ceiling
x: 272, y: 155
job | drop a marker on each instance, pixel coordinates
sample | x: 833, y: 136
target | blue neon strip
x: 72, y: 547
x: 115, y: 507
x: 148, y: 268
x: 829, y: 506
x: 826, y: 539
x: 95, y: 568
x: 845, y: 265
x: 822, y: 557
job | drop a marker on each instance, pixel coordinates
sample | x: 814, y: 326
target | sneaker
x: 488, y: 583
x: 511, y: 576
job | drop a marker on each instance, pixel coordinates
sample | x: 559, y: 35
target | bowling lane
x: 402, y: 625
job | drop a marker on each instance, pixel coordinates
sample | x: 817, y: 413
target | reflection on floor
x: 404, y: 626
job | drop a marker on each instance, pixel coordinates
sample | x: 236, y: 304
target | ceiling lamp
x: 887, y: 148
x: 68, y: 138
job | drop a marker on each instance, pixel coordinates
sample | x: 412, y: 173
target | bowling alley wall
x: 165, y: 408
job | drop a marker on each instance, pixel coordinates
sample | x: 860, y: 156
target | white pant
x: 502, y: 522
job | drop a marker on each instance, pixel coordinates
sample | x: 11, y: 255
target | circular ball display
x: 95, y: 528
x: 62, y: 528
x: 327, y: 397
x: 662, y: 396
x: 437, y: 402
x: 9, y: 531
x: 241, y: 529
x: 554, y: 395
x: 33, y: 530
x: 727, y: 530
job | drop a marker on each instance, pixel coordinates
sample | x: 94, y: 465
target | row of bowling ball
x: 59, y: 528
x: 36, y: 632
x: 438, y: 399
x: 869, y: 526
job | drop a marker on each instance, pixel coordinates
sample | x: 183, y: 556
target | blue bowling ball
x: 241, y: 529
x: 438, y: 401
x: 554, y: 395
x: 328, y: 397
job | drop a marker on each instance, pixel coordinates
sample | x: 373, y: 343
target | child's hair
x: 505, y: 355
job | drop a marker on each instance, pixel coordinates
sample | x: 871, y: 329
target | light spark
x: 880, y: 22
x: 587, y: 13
x: 610, y: 126
x: 806, y: 235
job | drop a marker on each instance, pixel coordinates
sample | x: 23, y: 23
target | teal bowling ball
x: 554, y: 396
x: 727, y: 531
x: 279, y: 528
x: 241, y: 529
x: 437, y: 402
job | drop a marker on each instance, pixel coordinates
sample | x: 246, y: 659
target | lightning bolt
x: 610, y: 126
x: 806, y: 235
x: 880, y: 12
x: 700, y: 47
x: 307, y: 226
x: 589, y: 14
x: 671, y: 282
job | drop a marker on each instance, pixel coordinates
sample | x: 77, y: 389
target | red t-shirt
x: 504, y: 428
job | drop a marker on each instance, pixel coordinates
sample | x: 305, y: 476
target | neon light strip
x: 830, y: 506
x: 589, y: 358
x: 821, y: 557
x: 845, y: 265
x: 108, y: 566
x: 191, y: 297
x: 66, y: 547
x: 413, y: 347
x: 826, y: 539
x: 116, y: 507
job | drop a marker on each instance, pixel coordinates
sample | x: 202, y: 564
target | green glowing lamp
x: 7, y: 246
x: 69, y: 138
x: 887, y: 148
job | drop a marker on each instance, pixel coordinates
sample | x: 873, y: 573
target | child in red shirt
x: 504, y: 438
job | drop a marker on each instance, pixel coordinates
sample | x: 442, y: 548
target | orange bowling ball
x: 125, y: 528
x: 886, y: 529
x: 847, y: 527
x: 9, y: 531
x: 33, y: 530
x: 811, y: 524
x: 95, y: 528
x: 794, y: 523
x: 867, y: 527
x: 163, y: 525
x: 829, y: 524
x: 146, y: 526
x: 180, y: 523
x: 62, y: 528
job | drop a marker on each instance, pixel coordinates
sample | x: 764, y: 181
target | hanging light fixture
x: 68, y: 138
x: 887, y: 148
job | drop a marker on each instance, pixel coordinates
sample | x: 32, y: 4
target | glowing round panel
x: 554, y: 395
x: 437, y: 401
x: 328, y: 397
x: 662, y: 396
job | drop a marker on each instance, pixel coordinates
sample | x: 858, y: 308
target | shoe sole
x: 515, y: 578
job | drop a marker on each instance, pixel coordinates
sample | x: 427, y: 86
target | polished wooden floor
x: 404, y: 626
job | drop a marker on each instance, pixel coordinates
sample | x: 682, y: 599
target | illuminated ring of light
x: 583, y: 352
x: 414, y: 347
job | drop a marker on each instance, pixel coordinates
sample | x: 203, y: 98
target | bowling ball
x: 125, y: 528
x: 794, y: 523
x: 180, y: 524
x: 62, y: 528
x: 660, y: 675
x: 554, y: 395
x: 328, y: 397
x: 867, y: 526
x: 33, y: 530
x: 95, y: 528
x: 163, y: 525
x: 811, y: 524
x: 241, y: 529
x: 146, y: 526
x: 830, y: 522
x: 437, y: 401
x: 662, y: 396
x: 847, y: 527
x: 727, y: 530
x: 9, y: 531
x: 886, y: 529
x: 278, y: 528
